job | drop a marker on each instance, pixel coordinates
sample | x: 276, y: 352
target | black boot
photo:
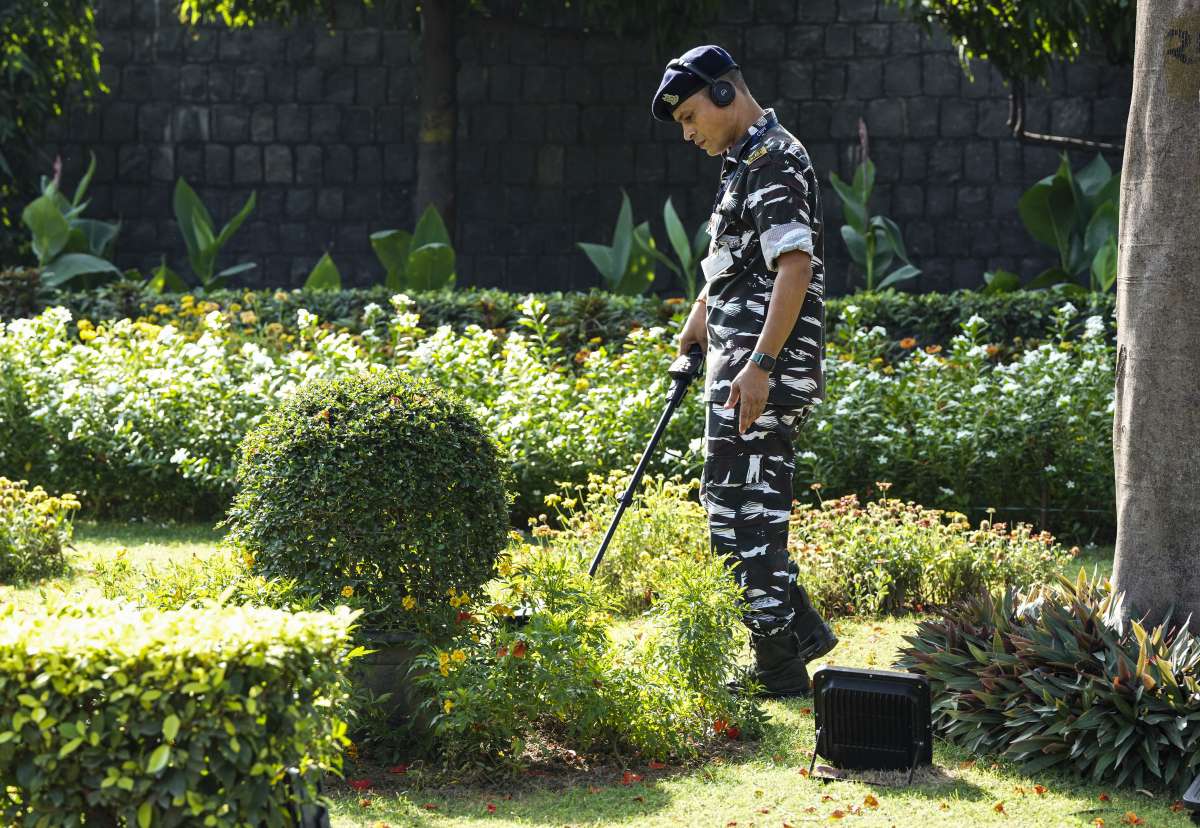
x: 778, y: 666
x: 815, y: 636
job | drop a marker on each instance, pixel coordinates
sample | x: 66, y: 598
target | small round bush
x: 377, y: 490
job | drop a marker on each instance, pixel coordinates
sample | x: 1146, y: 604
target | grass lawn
x: 753, y: 785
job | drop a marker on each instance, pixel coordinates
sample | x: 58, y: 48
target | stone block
x: 839, y: 41
x: 310, y: 82
x: 298, y: 203
x: 358, y: 124
x: 309, y: 164
x: 402, y: 85
x: 189, y: 162
x: 154, y: 122
x: 796, y: 79
x: 329, y: 48
x: 262, y: 124
x: 865, y: 79
x: 830, y: 83
x: 856, y: 10
x: 939, y: 200
x: 765, y: 42
x: 277, y: 162
x: 399, y: 162
x: 885, y: 118
x: 339, y: 164
x: 906, y: 39
x: 369, y: 164
x: 362, y: 47
x: 871, y: 39
x: 957, y: 117
x: 805, y: 41
x: 972, y: 201
x: 946, y: 161
x: 291, y: 123
x: 340, y: 86
x: 902, y: 77
x: 528, y: 123
x: 325, y: 123
x: 247, y: 164
x: 193, y: 83
x: 941, y: 75
x: 1070, y: 117
x: 371, y: 85
x: 330, y: 203
x: 231, y: 122
x: 218, y: 164
x: 281, y: 85
x: 979, y: 161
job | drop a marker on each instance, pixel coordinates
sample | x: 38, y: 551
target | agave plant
x: 1052, y: 678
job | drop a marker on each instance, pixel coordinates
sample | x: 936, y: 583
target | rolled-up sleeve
x: 777, y: 201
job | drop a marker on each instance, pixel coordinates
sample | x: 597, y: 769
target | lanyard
x: 728, y: 183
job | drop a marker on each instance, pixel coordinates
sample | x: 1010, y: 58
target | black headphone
x: 721, y: 91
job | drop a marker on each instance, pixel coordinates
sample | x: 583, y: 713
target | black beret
x: 678, y: 84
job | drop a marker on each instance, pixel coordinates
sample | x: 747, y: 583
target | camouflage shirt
x: 768, y: 203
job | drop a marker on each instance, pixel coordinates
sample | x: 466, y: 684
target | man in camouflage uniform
x: 762, y: 316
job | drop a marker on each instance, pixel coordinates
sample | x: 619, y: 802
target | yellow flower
x: 248, y: 317
x: 447, y: 705
x: 347, y: 591
x: 163, y: 310
x: 234, y: 307
x: 84, y: 324
x: 87, y: 334
x: 500, y: 610
x: 280, y: 296
x: 409, y: 602
x: 186, y: 300
x: 581, y: 384
x: 458, y: 655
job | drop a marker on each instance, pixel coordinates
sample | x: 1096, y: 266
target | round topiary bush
x: 377, y: 490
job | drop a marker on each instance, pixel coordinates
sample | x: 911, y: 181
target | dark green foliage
x: 1023, y: 38
x: 932, y: 318
x: 49, y: 48
x: 380, y: 483
x: 1048, y: 679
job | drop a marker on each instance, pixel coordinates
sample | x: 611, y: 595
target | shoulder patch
x: 757, y: 154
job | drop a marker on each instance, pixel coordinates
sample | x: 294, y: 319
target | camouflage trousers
x: 746, y: 488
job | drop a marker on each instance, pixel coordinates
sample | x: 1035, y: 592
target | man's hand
x: 751, y: 387
x: 695, y: 330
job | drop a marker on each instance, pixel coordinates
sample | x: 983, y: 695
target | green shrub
x: 34, y: 528
x: 382, y: 486
x: 117, y: 715
x: 664, y: 523
x: 1050, y: 678
x: 501, y: 692
x: 890, y: 555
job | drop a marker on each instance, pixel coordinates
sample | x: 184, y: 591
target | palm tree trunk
x: 1156, y: 424
x: 435, y: 142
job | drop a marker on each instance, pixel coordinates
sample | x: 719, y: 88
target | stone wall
x: 552, y: 123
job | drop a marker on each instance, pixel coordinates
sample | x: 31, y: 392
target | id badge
x: 716, y: 263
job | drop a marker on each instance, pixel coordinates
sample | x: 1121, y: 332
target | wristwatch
x: 763, y: 361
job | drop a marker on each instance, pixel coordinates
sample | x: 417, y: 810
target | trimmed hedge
x: 121, y: 716
x: 931, y: 318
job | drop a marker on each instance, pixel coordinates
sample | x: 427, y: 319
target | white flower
x: 305, y: 320
x: 180, y: 455
x: 1070, y: 484
x: 371, y: 314
x: 1094, y: 326
x: 1068, y: 309
x: 945, y: 491
x: 1050, y: 468
x: 807, y: 455
x: 979, y: 388
x: 990, y: 454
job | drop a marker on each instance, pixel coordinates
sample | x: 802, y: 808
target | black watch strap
x: 764, y: 361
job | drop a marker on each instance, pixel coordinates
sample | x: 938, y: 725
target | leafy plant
x: 70, y: 249
x: 561, y: 682
x: 688, y: 253
x: 324, y: 275
x: 1076, y: 214
x: 626, y: 266
x: 1051, y: 678
x: 421, y: 260
x: 196, y: 225
x: 874, y: 242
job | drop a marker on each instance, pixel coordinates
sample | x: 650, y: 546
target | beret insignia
x: 671, y: 99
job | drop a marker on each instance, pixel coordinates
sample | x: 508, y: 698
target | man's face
x: 704, y: 123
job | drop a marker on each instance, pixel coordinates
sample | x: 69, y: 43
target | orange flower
x: 998, y: 808
x: 992, y: 350
x: 871, y: 802
x: 359, y: 784
x: 1104, y: 797
x: 1133, y: 819
x: 908, y: 342
x: 518, y: 650
x: 933, y: 349
x: 491, y: 809
x: 629, y: 777
x: 837, y: 815
x: 1039, y: 789
x: 502, y: 652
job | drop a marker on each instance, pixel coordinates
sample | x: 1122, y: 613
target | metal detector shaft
x: 683, y: 370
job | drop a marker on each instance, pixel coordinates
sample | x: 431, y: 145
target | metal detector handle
x: 683, y: 370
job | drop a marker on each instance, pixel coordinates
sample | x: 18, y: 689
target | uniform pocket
x: 746, y: 489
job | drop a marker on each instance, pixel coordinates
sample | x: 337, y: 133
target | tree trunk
x: 1156, y: 424
x: 435, y: 142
